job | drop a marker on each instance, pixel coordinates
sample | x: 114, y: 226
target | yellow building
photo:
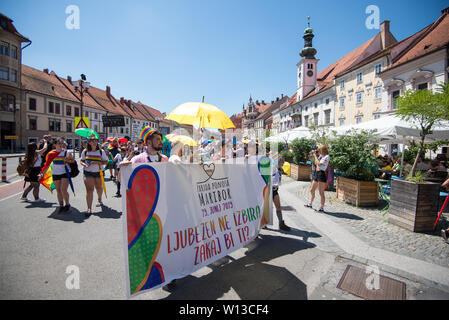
x: 359, y: 87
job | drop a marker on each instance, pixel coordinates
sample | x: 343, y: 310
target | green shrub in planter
x: 353, y: 155
x: 288, y: 156
x: 301, y: 150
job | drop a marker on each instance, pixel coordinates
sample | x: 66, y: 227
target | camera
x: 136, y: 153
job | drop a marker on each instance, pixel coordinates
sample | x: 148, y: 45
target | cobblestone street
x: 371, y: 226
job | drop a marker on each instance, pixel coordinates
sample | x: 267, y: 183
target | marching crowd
x: 53, y: 155
x: 95, y: 160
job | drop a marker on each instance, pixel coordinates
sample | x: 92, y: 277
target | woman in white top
x: 92, y: 158
x: 60, y: 158
x: 33, y: 164
x: 319, y: 175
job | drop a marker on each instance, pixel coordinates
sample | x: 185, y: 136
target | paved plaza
x: 37, y: 247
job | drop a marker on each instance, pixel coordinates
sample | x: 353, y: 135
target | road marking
x: 11, y: 196
x: 10, y: 190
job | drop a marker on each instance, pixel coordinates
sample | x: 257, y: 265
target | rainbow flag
x: 47, y: 180
x: 275, y: 158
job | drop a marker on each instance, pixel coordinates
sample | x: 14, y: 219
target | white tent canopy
x: 290, y: 135
x: 392, y: 129
x: 387, y: 130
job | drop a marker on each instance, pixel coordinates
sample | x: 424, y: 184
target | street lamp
x: 81, y: 86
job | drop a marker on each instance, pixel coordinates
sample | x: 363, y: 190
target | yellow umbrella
x: 174, y: 137
x: 201, y: 115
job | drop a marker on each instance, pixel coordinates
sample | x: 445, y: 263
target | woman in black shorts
x: 33, y: 164
x: 319, y: 176
x: 92, y: 158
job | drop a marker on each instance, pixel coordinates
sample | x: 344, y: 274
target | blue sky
x: 168, y: 52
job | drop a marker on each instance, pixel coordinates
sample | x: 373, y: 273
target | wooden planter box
x: 300, y: 172
x: 358, y: 193
x: 414, y: 206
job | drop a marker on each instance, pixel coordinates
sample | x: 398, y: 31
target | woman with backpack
x: 32, y: 165
x: 92, y: 158
x: 61, y: 159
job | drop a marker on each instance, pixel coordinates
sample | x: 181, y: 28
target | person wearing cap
x: 153, y: 142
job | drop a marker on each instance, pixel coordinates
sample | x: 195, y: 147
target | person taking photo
x: 320, y: 162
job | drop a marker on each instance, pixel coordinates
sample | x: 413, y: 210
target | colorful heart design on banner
x: 144, y: 229
x: 209, y: 169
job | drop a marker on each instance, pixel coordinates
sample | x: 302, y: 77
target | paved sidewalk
x: 365, y: 236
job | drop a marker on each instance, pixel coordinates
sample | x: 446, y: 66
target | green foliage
x: 288, y: 156
x: 410, y: 154
x: 321, y: 135
x: 418, y: 178
x: 353, y: 155
x: 425, y: 108
x: 301, y: 149
x: 442, y: 97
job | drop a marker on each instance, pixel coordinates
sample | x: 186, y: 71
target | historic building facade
x: 12, y: 102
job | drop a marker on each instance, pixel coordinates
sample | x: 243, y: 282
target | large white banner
x: 182, y: 217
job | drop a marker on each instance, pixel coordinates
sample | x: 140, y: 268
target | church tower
x: 307, y: 66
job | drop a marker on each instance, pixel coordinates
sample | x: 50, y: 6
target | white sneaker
x: 99, y: 204
x: 39, y: 200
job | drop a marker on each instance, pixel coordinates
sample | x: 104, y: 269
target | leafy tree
x: 424, y: 108
x: 442, y: 97
x: 322, y: 135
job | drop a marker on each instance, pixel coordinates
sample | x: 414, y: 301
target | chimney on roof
x: 46, y: 70
x: 272, y: 101
x: 277, y: 98
x: 384, y: 30
x: 282, y: 96
x: 445, y: 11
x: 108, y: 91
x: 263, y: 101
x: 69, y: 79
x: 122, y: 100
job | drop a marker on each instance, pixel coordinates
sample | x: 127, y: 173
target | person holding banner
x: 61, y: 171
x: 92, y: 158
x: 153, y: 142
x: 276, y: 182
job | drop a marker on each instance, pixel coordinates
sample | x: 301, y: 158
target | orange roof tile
x: 45, y: 83
x: 107, y: 102
x: 433, y: 38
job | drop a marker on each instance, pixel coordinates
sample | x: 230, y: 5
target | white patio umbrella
x: 393, y: 130
x: 290, y: 135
